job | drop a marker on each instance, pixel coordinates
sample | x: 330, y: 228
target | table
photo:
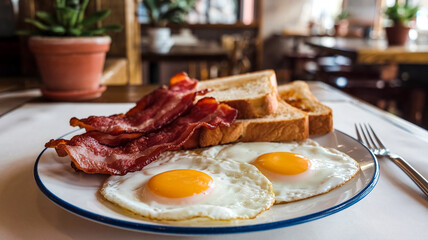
x: 369, y: 51
x: 202, y: 51
x: 395, y: 209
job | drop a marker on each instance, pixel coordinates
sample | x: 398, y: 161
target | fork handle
x: 411, y: 172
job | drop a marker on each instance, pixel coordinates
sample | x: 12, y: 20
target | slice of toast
x: 286, y: 124
x: 298, y: 95
x: 252, y: 94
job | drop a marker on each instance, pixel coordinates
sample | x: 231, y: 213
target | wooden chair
x: 381, y: 87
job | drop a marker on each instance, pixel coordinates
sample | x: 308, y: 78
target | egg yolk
x: 180, y: 183
x: 283, y: 163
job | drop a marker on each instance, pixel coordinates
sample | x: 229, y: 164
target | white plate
x: 78, y: 193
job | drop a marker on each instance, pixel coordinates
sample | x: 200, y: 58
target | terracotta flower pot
x: 341, y: 28
x: 397, y: 35
x: 71, y: 67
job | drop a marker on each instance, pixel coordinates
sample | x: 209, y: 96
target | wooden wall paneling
x: 259, y: 9
x: 133, y: 42
x: 125, y: 43
x: 28, y: 63
x: 117, y: 17
x: 117, y: 65
x: 27, y: 9
x: 115, y: 71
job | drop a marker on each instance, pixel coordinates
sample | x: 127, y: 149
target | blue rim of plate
x: 186, y: 230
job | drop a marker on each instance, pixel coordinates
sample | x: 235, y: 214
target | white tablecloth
x: 395, y: 209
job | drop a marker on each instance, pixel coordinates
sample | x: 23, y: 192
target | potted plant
x: 400, y: 16
x: 70, y: 50
x: 162, y: 12
x: 341, y: 25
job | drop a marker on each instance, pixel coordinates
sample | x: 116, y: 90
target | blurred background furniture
x: 202, y: 56
x: 372, y: 72
x: 221, y: 37
x: 216, y: 28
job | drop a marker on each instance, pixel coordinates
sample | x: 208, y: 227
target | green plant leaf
x: 37, y: 24
x: 60, y: 3
x: 87, y: 32
x: 46, y: 17
x: 75, y: 4
x: 73, y: 19
x: 344, y: 14
x: 24, y: 32
x: 75, y: 31
x: 401, y: 14
x: 174, y: 15
x: 59, y: 17
x: 98, y: 31
x: 69, y: 16
x: 82, y: 11
x: 153, y: 9
x: 114, y: 28
x: 68, y: 19
x: 411, y: 12
x: 164, y: 11
x: 102, y: 30
x: 57, y: 29
x: 95, y: 17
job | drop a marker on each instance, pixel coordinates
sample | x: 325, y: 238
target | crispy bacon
x: 90, y: 156
x: 113, y: 140
x: 152, y: 112
x: 102, y: 138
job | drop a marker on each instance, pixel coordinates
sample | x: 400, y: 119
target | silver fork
x: 372, y: 141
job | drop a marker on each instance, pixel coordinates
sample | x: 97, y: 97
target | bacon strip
x: 150, y: 113
x: 91, y: 156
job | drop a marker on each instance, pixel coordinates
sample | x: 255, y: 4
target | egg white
x: 329, y: 168
x: 240, y: 192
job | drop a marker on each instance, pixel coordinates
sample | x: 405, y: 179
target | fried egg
x: 297, y: 170
x: 185, y: 184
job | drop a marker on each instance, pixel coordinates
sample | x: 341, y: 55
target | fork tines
x: 368, y: 137
x: 366, y: 131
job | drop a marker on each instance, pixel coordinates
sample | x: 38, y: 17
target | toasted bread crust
x: 320, y: 124
x: 251, y: 131
x: 269, y: 118
x: 255, y: 107
x: 272, y: 128
x: 221, y: 135
x: 251, y: 107
x: 277, y: 131
x: 298, y: 95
